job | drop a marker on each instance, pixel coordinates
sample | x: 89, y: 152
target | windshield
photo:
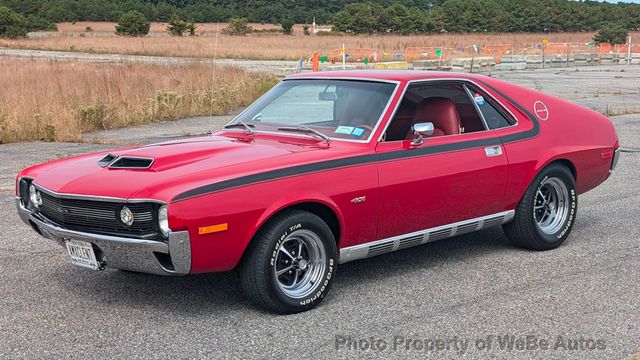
x: 339, y: 109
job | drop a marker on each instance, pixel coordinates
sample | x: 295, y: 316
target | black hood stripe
x: 365, y: 159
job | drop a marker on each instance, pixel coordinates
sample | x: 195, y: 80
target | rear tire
x: 290, y: 263
x: 546, y: 214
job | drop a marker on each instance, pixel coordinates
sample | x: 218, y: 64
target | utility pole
x: 629, y: 51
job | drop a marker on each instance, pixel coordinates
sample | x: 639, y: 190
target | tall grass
x: 263, y: 46
x: 58, y: 101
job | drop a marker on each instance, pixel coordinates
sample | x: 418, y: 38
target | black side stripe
x: 365, y: 159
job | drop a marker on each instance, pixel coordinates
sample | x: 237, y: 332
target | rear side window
x: 493, y: 114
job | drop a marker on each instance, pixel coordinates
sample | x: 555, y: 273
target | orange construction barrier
x: 557, y: 49
x: 426, y: 53
x: 582, y: 48
x: 498, y: 51
x: 356, y: 55
x: 623, y: 49
x: 607, y: 49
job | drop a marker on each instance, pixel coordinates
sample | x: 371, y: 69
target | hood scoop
x: 125, y: 162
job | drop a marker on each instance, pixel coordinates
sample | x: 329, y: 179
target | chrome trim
x: 120, y: 252
x: 416, y: 238
x: 115, y: 157
x: 444, y: 80
x: 17, y: 190
x: 373, y: 131
x: 93, y: 197
x: 493, y: 150
x: 476, y: 106
x: 119, y: 158
x: 614, y: 162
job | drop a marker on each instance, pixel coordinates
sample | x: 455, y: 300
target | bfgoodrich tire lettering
x: 546, y: 214
x: 290, y: 264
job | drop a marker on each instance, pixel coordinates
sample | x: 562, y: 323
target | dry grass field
x: 71, y: 37
x: 58, y: 101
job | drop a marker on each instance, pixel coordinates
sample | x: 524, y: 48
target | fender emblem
x: 541, y: 110
x: 359, y: 199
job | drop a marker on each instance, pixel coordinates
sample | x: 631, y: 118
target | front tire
x: 290, y: 263
x: 546, y: 214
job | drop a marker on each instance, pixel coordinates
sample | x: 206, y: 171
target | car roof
x: 387, y: 75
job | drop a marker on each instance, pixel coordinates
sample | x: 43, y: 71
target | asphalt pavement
x: 473, y: 296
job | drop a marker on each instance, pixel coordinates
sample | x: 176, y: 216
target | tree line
x: 463, y: 16
x: 375, y: 16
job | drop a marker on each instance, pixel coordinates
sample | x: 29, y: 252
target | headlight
x: 163, y: 220
x: 34, y: 197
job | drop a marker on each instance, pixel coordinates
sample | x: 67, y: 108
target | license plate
x: 81, y: 254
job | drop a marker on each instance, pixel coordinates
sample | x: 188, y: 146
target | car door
x: 444, y: 180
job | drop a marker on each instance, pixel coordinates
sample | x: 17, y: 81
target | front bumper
x: 148, y: 256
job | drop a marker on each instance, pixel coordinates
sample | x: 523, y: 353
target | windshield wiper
x: 248, y: 127
x: 306, y: 130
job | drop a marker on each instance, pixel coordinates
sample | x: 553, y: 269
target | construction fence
x: 496, y: 51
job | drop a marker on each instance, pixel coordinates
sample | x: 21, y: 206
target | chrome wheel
x: 551, y: 205
x: 300, y: 264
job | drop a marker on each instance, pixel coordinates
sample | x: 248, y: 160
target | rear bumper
x: 148, y: 256
x: 614, y: 162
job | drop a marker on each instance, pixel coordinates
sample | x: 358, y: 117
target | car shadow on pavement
x: 211, y: 294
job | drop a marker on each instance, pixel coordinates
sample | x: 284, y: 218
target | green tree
x: 178, y: 27
x: 403, y: 20
x: 133, y: 23
x: 12, y: 24
x: 237, y: 26
x: 469, y: 16
x: 611, y: 34
x: 368, y: 16
x: 287, y: 26
x: 361, y: 18
x: 35, y: 23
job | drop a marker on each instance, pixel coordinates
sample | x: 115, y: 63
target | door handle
x: 493, y: 151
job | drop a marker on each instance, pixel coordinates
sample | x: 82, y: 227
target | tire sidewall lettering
x: 322, y: 289
x: 572, y: 213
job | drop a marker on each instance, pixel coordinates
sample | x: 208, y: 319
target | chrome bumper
x: 614, y: 162
x: 147, y: 256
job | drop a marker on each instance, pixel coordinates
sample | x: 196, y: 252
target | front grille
x: 100, y: 217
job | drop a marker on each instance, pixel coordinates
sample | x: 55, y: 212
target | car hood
x: 176, y: 166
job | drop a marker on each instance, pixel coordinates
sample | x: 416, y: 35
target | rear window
x: 493, y: 114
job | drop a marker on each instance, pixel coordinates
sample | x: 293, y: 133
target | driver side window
x: 447, y: 106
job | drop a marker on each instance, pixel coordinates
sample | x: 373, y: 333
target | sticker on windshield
x: 358, y: 131
x: 347, y: 130
x: 478, y: 99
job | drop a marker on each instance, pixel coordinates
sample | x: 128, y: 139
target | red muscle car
x: 328, y: 168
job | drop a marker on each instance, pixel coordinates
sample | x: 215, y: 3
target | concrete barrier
x: 393, y: 65
x: 487, y: 63
x: 432, y: 65
x: 511, y: 66
x: 513, y: 59
x: 481, y: 63
x: 609, y: 59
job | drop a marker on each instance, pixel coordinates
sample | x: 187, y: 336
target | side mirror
x: 421, y: 130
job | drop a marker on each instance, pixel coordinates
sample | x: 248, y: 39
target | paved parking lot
x: 461, y: 291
